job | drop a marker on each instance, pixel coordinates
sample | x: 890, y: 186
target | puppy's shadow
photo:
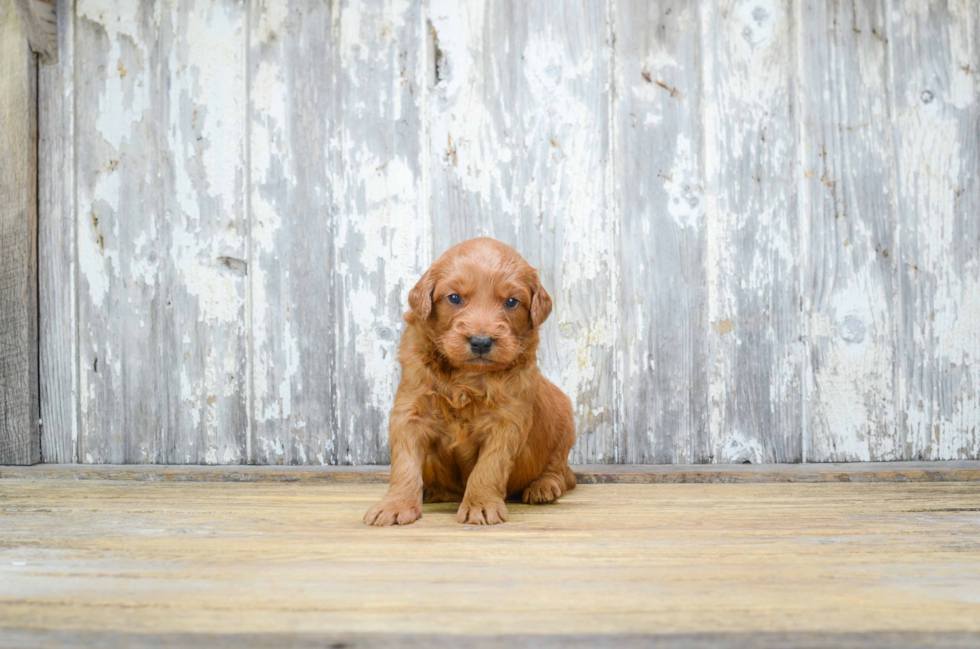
x: 432, y: 499
x: 451, y: 506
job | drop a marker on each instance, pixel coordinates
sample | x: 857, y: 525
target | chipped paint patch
x: 739, y: 448
x: 159, y: 216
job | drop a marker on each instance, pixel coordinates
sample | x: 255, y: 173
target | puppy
x: 474, y: 420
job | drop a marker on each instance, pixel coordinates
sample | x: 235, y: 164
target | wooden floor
x: 100, y: 562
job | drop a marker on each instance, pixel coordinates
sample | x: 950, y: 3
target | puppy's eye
x: 512, y: 302
x: 454, y: 298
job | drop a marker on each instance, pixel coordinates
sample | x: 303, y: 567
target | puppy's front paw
x: 393, y: 512
x: 488, y: 512
x: 541, y: 491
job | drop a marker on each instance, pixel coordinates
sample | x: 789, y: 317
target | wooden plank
x: 339, y: 231
x: 294, y: 166
x: 28, y: 638
x: 160, y: 98
x: 849, y: 195
x: 660, y: 192
x: 19, y: 433
x: 366, y: 474
x: 519, y: 149
x: 383, y: 236
x: 162, y: 558
x: 57, y: 262
x: 948, y: 471
x: 936, y: 63
x: 39, y: 21
x: 754, y: 323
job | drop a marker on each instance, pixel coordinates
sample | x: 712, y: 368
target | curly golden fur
x: 474, y: 420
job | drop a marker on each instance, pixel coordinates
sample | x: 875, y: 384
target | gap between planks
x: 947, y: 471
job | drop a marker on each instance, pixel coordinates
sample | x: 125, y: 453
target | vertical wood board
x: 849, y: 198
x: 19, y: 413
x: 754, y: 323
x: 58, y: 353
x: 936, y: 52
x: 660, y: 193
x: 161, y: 240
x: 382, y: 240
x: 294, y: 164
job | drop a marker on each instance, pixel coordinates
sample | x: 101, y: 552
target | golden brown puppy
x: 474, y: 419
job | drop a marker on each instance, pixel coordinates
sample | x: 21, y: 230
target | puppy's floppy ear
x: 420, y: 299
x: 540, y: 302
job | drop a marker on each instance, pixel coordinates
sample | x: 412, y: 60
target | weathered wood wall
x: 19, y: 415
x: 759, y: 220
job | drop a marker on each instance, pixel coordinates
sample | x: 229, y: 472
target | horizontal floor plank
x: 88, y: 640
x: 156, y: 564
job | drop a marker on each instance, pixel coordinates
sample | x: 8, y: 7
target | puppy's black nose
x: 481, y: 344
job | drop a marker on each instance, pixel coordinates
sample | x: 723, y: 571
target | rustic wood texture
x: 663, y: 371
x: 936, y: 50
x: 849, y: 197
x: 40, y: 25
x: 754, y: 324
x: 164, y: 558
x: 339, y: 234
x: 58, y: 344
x: 294, y: 166
x: 382, y: 238
x: 756, y: 219
x: 948, y: 471
x: 160, y: 133
x: 29, y: 638
x: 19, y: 409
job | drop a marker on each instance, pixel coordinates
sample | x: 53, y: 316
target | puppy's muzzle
x: 480, y: 344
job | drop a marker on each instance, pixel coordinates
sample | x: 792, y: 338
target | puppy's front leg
x: 486, y: 488
x: 403, y: 502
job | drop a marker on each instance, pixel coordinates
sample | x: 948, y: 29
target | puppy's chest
x: 466, y: 404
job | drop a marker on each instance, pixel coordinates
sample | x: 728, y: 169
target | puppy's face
x: 480, y: 304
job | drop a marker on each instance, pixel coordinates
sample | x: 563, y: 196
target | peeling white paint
x: 390, y: 242
x: 856, y: 359
x: 271, y: 18
x: 144, y: 250
x: 92, y: 265
x: 942, y: 382
x: 220, y: 294
x: 467, y: 140
x: 739, y: 448
x: 686, y: 204
x: 538, y: 161
x: 121, y: 106
x: 292, y: 365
